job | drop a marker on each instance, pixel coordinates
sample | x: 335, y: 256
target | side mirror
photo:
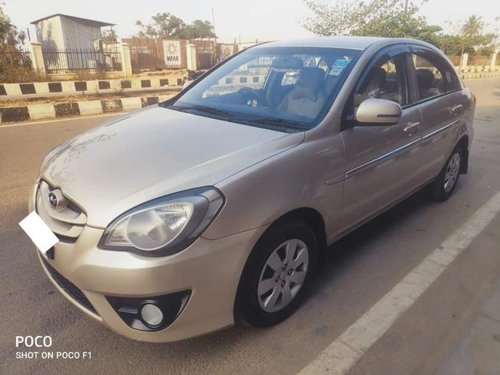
x: 378, y: 111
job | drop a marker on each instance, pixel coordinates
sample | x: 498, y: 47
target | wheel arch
x: 311, y: 217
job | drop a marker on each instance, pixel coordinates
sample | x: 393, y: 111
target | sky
x: 243, y: 20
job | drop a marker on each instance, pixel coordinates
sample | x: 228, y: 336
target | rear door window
x: 434, y: 76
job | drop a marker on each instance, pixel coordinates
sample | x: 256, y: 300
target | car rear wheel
x: 277, y: 274
x: 447, y: 179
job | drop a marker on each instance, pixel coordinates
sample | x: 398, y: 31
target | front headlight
x: 166, y: 225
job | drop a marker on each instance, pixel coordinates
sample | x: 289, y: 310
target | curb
x: 77, y: 108
x: 105, y: 86
x: 469, y: 75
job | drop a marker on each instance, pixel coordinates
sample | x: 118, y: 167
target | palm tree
x: 472, y: 34
x: 473, y: 26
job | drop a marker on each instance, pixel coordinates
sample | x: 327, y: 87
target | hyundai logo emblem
x: 53, y: 201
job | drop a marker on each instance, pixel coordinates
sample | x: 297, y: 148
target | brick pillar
x: 493, y: 65
x: 463, y: 61
x: 37, y: 59
x: 126, y: 62
x: 191, y: 57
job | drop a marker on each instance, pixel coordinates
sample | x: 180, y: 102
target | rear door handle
x: 410, y: 125
x: 456, y: 109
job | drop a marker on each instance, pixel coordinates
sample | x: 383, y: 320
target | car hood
x: 152, y: 153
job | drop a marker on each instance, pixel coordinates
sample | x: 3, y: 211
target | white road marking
x: 343, y: 353
x: 34, y: 122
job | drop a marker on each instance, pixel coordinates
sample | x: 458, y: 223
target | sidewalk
x: 479, y: 351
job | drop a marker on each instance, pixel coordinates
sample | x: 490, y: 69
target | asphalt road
x: 361, y: 269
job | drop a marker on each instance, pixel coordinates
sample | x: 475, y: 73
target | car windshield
x: 286, y: 89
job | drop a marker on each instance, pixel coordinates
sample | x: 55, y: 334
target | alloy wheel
x: 283, y: 275
x: 452, y: 172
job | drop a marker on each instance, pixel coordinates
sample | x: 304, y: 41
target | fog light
x: 151, y: 315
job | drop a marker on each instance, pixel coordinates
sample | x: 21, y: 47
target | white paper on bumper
x: 38, y: 232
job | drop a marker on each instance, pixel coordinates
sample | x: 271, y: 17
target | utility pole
x: 215, y: 38
x: 213, y: 24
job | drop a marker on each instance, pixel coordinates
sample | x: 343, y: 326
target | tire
x: 446, y: 181
x: 264, y: 292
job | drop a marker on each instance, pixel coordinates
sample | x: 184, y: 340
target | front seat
x: 307, y: 97
x: 372, y: 86
x: 425, y: 79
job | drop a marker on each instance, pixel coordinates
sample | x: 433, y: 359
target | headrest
x: 311, y: 77
x: 425, y: 78
x: 376, y: 78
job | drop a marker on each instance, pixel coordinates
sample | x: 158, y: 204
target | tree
x: 473, y: 26
x: 9, y: 35
x: 399, y: 24
x: 198, y: 29
x: 164, y: 25
x: 395, y: 18
x: 391, y: 18
x: 167, y: 25
x: 449, y: 44
x: 15, y: 66
x: 336, y: 19
x: 469, y: 37
x: 109, y: 36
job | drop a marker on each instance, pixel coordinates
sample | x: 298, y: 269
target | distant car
x: 219, y: 203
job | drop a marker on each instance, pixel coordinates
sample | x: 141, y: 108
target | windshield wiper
x: 279, y: 122
x: 201, y: 108
x: 267, y: 122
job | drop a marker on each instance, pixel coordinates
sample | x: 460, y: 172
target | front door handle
x: 410, y: 125
x: 456, y: 109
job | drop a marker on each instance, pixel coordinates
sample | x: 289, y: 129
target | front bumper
x: 209, y: 269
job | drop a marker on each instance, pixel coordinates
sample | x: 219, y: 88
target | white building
x: 63, y: 38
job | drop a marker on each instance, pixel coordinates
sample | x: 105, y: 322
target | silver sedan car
x: 218, y: 204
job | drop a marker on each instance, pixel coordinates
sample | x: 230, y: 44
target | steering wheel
x: 254, y: 98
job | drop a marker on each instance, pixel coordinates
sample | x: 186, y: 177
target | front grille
x: 65, y: 238
x: 69, y: 287
x: 67, y: 220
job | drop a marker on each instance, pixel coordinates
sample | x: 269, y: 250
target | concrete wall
x: 76, y: 108
x: 102, y: 86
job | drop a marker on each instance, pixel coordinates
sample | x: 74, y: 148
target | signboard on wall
x: 172, y: 53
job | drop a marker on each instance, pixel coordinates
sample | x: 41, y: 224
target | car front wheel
x: 277, y: 274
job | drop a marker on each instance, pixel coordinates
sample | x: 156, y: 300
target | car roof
x: 348, y: 42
